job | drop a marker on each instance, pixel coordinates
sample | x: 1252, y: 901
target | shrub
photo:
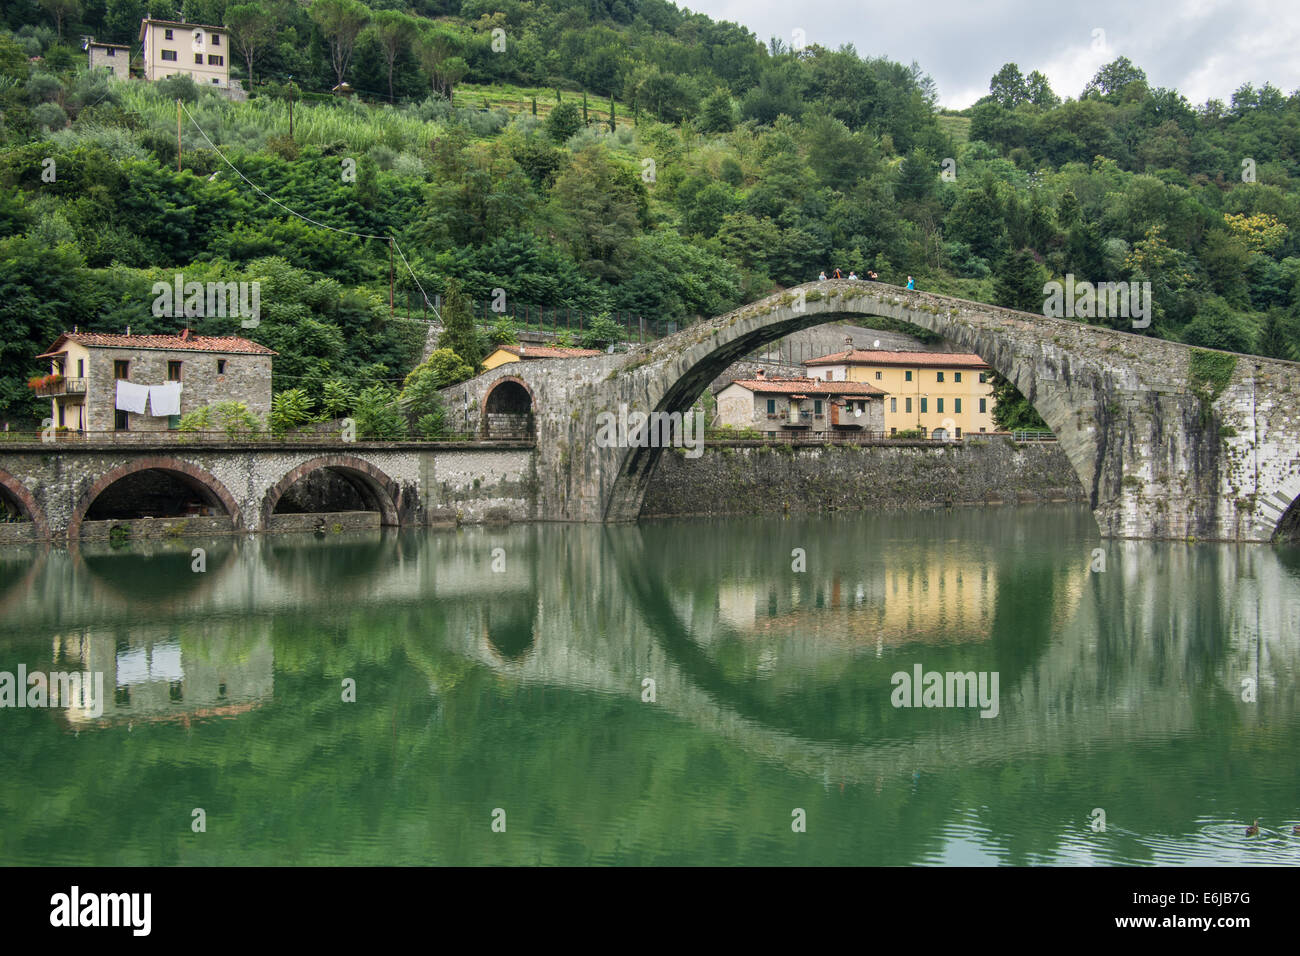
x: 602, y: 331
x: 377, y: 415
x: 289, y: 409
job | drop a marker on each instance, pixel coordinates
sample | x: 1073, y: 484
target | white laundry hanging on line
x: 131, y: 397
x: 165, y: 399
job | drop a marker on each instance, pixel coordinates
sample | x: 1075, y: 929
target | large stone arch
x: 195, y: 475
x: 702, y: 353
x: 484, y: 424
x: 383, y: 491
x: 27, y: 501
x: 1157, y: 456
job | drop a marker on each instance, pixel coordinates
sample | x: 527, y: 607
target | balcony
x: 56, y: 386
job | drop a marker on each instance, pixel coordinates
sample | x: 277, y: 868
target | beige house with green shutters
x: 201, y: 52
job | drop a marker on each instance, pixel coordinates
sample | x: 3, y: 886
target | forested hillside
x: 618, y: 156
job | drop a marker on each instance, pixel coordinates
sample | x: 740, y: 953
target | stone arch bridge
x: 1157, y: 458
x: 69, y: 490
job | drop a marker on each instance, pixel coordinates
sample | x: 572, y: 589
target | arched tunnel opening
x: 11, y: 510
x: 508, y: 411
x: 335, y: 496
x: 154, y: 493
x: 1288, y: 528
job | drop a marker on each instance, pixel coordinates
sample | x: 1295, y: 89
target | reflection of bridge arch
x: 375, y: 487
x: 12, y: 488
x: 509, y: 409
x: 198, y: 479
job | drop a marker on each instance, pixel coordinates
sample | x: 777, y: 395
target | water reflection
x: 511, y: 667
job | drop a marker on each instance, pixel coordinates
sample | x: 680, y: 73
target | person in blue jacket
x: 911, y: 283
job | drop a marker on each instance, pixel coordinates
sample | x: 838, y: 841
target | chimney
x: 185, y: 334
x: 761, y: 374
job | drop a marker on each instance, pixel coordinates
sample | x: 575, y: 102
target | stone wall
x: 247, y: 379
x: 753, y: 478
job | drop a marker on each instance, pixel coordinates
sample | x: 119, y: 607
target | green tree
x: 61, y: 10
x: 393, y: 30
x: 601, y: 332
x: 290, y: 409
x: 1216, y: 326
x: 1011, y: 410
x: 377, y: 415
x: 1008, y: 87
x: 1275, y: 340
x: 458, y: 331
x: 251, y: 28
x: 1018, y: 283
x: 341, y: 21
x: 563, y: 123
x: 337, y: 398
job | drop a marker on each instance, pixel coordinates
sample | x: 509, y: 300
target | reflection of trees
x: 439, y: 736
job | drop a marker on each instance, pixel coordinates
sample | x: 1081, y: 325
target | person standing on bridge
x: 822, y: 277
x: 911, y: 283
x: 839, y: 274
x: 853, y: 276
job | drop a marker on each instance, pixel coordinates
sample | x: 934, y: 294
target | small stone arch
x: 385, y: 493
x: 200, y: 476
x: 1282, y: 508
x: 27, y: 501
x: 512, y: 409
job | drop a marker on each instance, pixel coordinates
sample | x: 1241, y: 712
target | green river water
x: 669, y: 693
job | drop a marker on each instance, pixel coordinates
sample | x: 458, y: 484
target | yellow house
x: 943, y: 394
x: 199, y: 51
x: 529, y: 353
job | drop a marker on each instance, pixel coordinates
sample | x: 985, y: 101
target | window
x: 119, y: 420
x: 956, y: 376
x: 984, y: 402
x: 173, y: 371
x: 939, y: 377
x: 959, y: 434
x: 893, y: 431
x: 215, y: 80
x: 924, y: 402
x: 198, y: 59
x: 214, y: 60
x: 216, y: 39
x: 62, y: 408
x: 771, y: 405
x: 121, y: 368
x: 878, y: 376
x: 956, y: 406
x: 173, y: 422
x: 938, y: 406
x: 907, y: 406
x: 169, y: 55
x: 167, y: 34
x: 110, y: 52
x: 221, y: 366
x: 893, y: 404
x: 81, y: 368
x: 817, y: 407
x: 907, y: 376
x: 984, y: 377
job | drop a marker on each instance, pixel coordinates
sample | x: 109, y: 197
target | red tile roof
x: 801, y: 387
x: 918, y: 359
x: 169, y: 343
x: 548, y: 351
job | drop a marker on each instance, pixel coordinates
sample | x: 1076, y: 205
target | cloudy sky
x: 1203, y: 48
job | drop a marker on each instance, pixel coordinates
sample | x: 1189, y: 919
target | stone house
x: 114, y: 57
x: 201, y: 52
x: 85, y: 368
x: 794, y: 406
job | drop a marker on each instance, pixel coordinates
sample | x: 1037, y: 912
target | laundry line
x: 164, y: 400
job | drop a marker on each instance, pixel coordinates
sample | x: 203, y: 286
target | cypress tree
x: 458, y: 332
x: 611, y: 112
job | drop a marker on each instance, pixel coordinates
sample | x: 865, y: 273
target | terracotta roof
x: 802, y: 387
x: 883, y: 357
x: 168, y: 343
x: 548, y: 351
